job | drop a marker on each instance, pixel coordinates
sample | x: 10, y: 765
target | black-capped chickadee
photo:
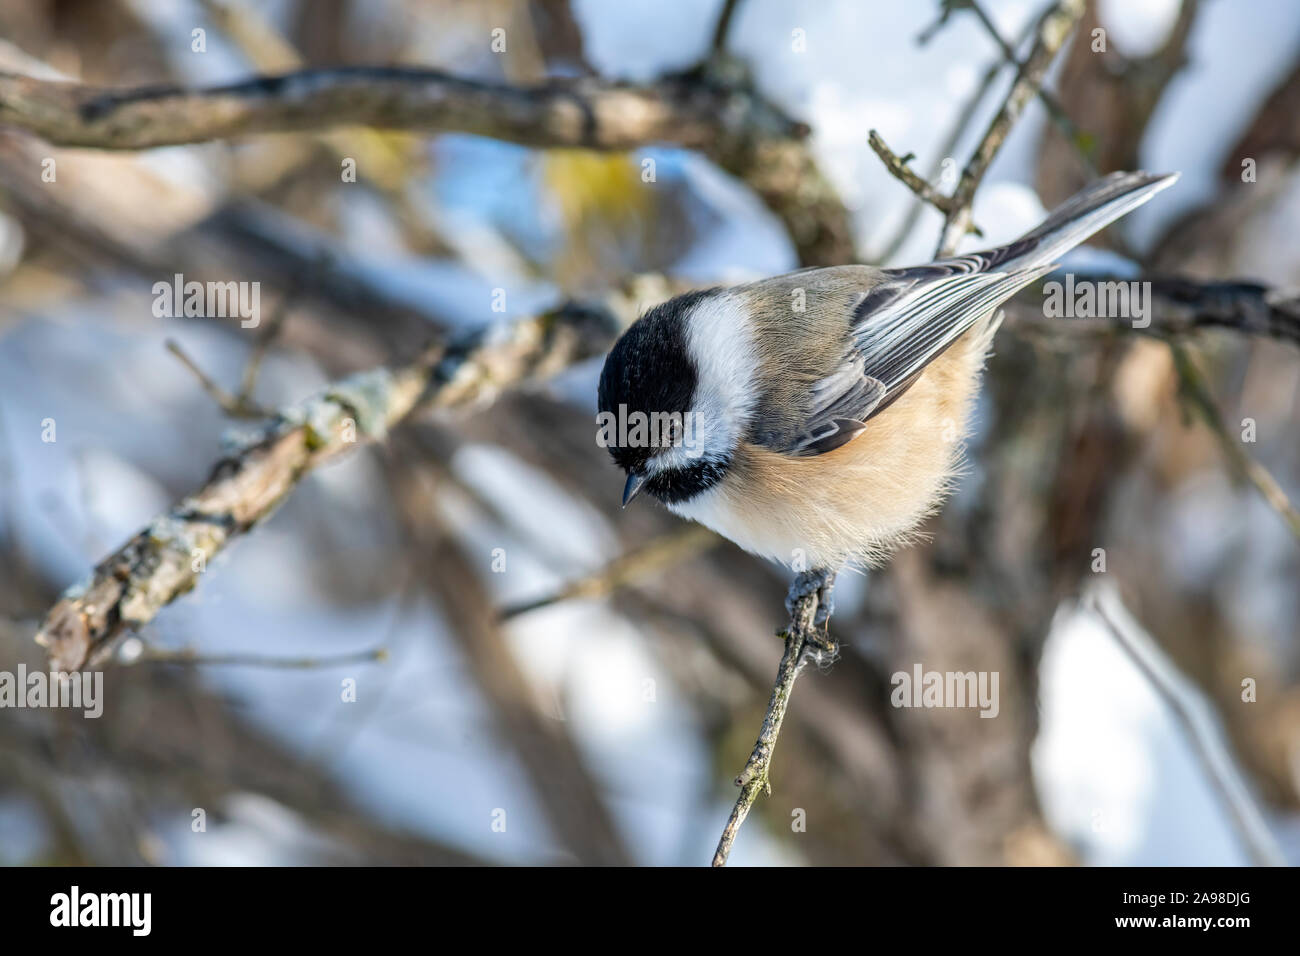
x: 816, y: 418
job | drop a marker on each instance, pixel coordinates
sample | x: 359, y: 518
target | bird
x: 817, y: 418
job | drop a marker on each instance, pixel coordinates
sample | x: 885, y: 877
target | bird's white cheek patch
x: 720, y: 340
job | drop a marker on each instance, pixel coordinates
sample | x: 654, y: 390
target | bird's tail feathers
x: 1086, y: 212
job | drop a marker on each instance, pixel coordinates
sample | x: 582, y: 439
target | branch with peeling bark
x: 262, y: 466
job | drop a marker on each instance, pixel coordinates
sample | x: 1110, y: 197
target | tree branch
x: 1053, y: 29
x: 1075, y: 136
x: 1181, y: 307
x: 1245, y: 816
x: 1246, y: 307
x: 1193, y: 388
x: 669, y: 550
x: 898, y: 166
x: 968, y: 111
x: 754, y: 779
x: 585, y: 113
x: 728, y: 122
x: 191, y: 657
x: 165, y: 560
x: 722, y: 29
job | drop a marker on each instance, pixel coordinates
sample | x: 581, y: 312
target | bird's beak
x: 634, y: 483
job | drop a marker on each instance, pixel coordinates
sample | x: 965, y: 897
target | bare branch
x: 241, y: 405
x: 898, y: 166
x: 1243, y: 813
x: 723, y: 27
x: 1193, y: 387
x: 585, y: 113
x: 802, y: 632
x: 1060, y: 117
x: 670, y: 550
x: 1182, y: 307
x: 190, y: 657
x: 1053, y: 29
x: 965, y: 115
x: 729, y: 123
x: 1246, y: 307
x: 266, y: 337
x: 236, y: 406
x: 165, y: 560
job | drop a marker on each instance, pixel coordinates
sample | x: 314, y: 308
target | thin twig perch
x: 899, y: 168
x: 754, y: 779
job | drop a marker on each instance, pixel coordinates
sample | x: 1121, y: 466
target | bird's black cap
x: 650, y: 371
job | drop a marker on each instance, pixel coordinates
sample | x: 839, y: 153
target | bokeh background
x: 605, y: 725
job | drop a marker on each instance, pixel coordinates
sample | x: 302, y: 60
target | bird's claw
x: 825, y: 602
x: 805, y: 583
x: 821, y: 582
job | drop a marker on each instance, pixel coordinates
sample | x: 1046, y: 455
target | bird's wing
x: 907, y: 319
x: 898, y: 328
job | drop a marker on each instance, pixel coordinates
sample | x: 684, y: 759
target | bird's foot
x: 821, y: 582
